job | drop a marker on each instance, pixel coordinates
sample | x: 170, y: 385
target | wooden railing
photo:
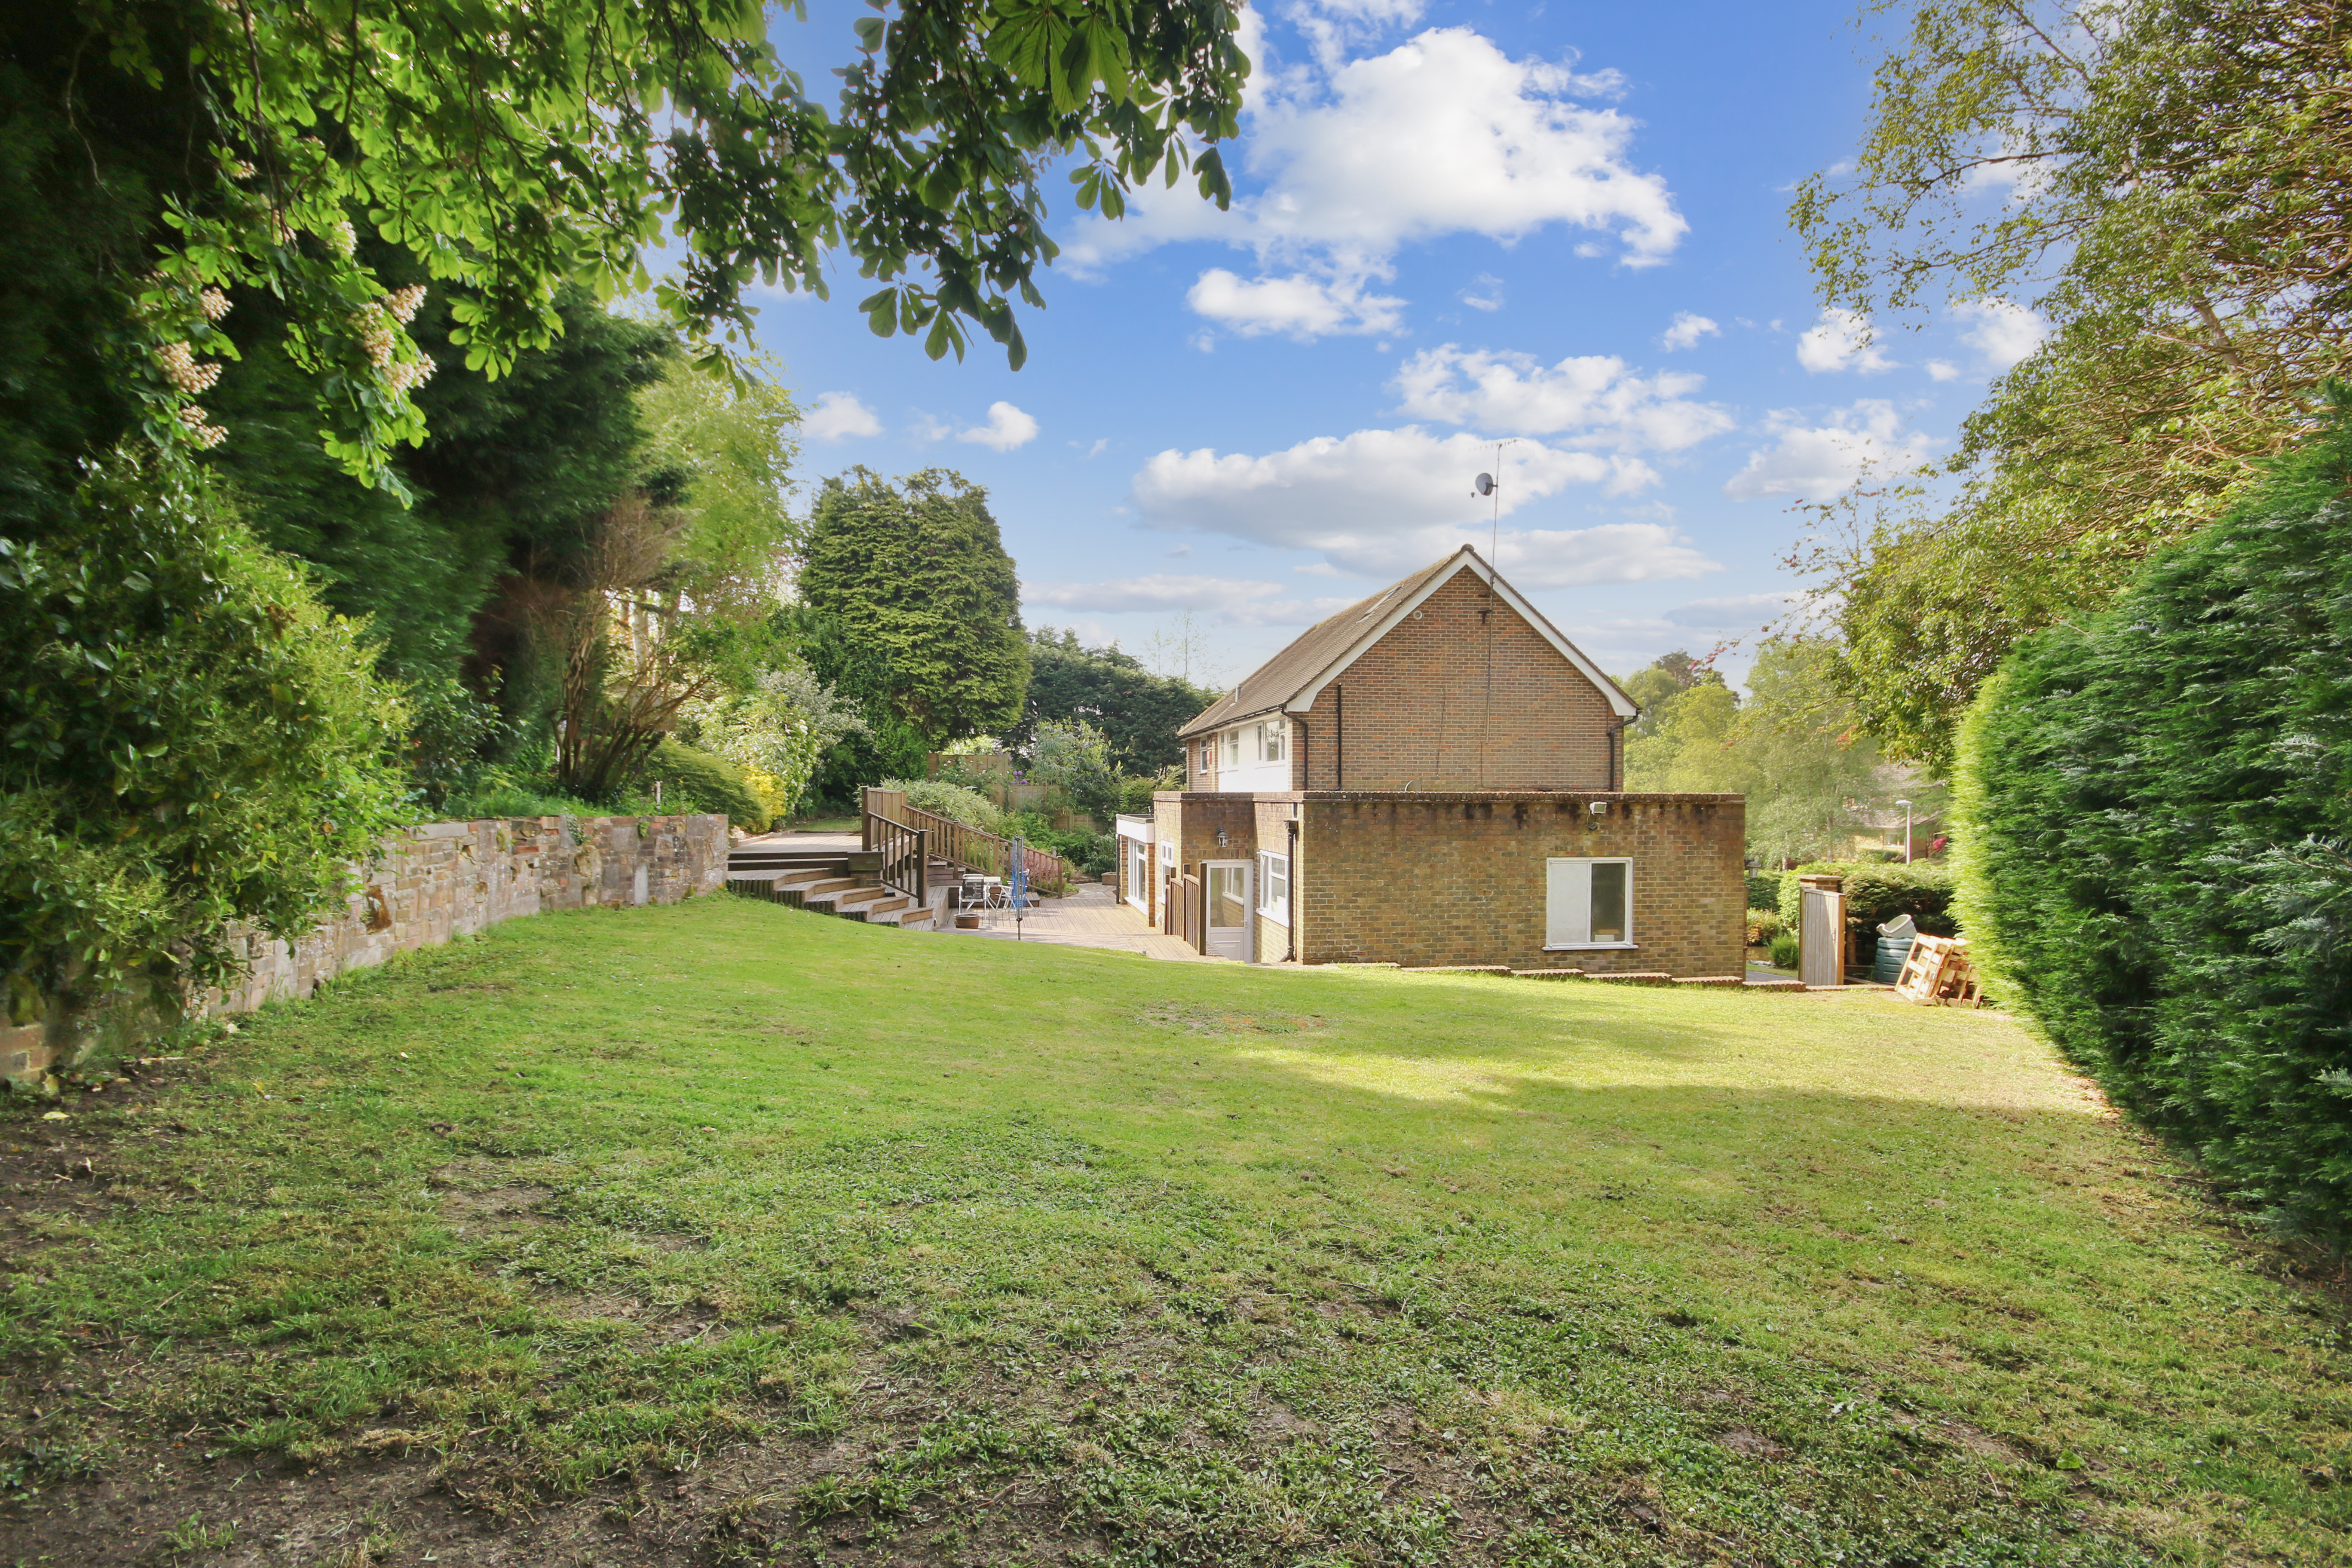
x: 906, y: 857
x: 989, y: 854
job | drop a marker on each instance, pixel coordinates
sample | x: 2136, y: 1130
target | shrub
x: 1091, y: 852
x: 952, y: 800
x: 1876, y: 894
x: 1763, y: 925
x: 2156, y: 805
x: 1785, y: 951
x: 696, y: 780
x: 191, y: 739
x: 1763, y: 889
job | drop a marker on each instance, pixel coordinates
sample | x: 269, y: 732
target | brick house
x: 1434, y: 777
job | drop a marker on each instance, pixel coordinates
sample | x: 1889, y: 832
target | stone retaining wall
x: 440, y: 880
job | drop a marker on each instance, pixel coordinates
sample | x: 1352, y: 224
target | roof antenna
x: 1492, y: 485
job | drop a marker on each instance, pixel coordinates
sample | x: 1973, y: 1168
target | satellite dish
x: 1484, y: 485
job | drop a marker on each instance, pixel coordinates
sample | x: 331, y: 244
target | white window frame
x: 1209, y: 754
x: 1229, y: 750
x: 1564, y: 906
x: 1139, y: 873
x: 1272, y: 871
x: 1168, y: 855
x: 1273, y: 740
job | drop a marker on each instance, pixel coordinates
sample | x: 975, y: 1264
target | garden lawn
x: 725, y: 1233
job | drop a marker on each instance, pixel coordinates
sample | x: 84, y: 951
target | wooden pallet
x: 1940, y: 972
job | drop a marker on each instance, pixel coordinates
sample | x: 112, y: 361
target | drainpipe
x: 1339, y: 737
x: 1305, y: 755
x: 1617, y: 755
x: 1290, y: 947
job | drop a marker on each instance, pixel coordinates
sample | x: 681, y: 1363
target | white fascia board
x: 1467, y: 559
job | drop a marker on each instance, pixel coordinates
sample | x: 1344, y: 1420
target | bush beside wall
x: 1876, y: 893
x: 698, y: 780
x: 2156, y: 808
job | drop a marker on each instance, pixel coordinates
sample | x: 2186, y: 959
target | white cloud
x: 1301, y: 306
x: 1007, y: 427
x: 1237, y: 601
x: 1485, y: 294
x: 1943, y: 370
x: 1444, y: 134
x: 1841, y: 341
x: 1686, y: 331
x: 1816, y: 462
x: 1592, y: 400
x: 1381, y: 502
x: 2003, y: 332
x: 838, y: 416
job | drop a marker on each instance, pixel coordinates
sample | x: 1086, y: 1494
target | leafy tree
x: 1791, y: 750
x: 1075, y: 760
x: 1138, y: 712
x: 1656, y: 686
x: 782, y: 726
x: 721, y: 450
x: 514, y: 471
x: 178, y: 677
x: 2155, y: 804
x: 2166, y: 182
x: 916, y: 575
x: 510, y: 148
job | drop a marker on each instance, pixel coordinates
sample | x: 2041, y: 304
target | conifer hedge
x: 2156, y: 806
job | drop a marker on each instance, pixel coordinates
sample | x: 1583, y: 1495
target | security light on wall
x: 1599, y: 809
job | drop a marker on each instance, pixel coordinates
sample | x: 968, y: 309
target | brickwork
x: 1419, y: 710
x: 1272, y: 831
x: 443, y: 879
x: 1422, y: 880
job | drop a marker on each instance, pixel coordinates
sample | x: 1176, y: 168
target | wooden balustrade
x: 906, y: 857
x: 988, y: 853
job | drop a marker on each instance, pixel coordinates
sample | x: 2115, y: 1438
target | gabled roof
x: 1291, y: 678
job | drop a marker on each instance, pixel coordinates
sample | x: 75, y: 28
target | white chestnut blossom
x: 205, y: 435
x: 189, y: 373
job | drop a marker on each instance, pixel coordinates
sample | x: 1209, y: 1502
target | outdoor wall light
x: 1220, y: 838
x: 1599, y: 809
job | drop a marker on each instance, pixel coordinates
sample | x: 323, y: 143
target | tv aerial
x: 1487, y: 485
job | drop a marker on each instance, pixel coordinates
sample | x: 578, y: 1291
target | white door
x: 1225, y: 885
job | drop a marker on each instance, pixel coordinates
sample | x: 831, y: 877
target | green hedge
x: 1763, y: 889
x: 1876, y: 893
x: 2155, y: 807
x: 696, y: 780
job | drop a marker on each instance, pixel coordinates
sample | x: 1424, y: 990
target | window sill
x: 1592, y: 947
x: 1270, y: 918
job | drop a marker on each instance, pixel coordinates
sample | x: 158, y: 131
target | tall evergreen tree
x: 915, y: 577
x: 1138, y: 713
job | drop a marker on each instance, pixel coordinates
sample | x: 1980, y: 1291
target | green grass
x: 1000, y: 1254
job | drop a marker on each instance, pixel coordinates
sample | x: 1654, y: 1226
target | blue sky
x: 1454, y: 222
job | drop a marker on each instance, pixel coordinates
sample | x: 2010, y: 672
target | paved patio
x: 1091, y: 916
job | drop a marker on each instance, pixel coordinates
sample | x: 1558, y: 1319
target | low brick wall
x: 1428, y: 879
x: 440, y: 880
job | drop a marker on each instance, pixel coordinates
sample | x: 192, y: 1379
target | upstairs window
x: 1589, y: 903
